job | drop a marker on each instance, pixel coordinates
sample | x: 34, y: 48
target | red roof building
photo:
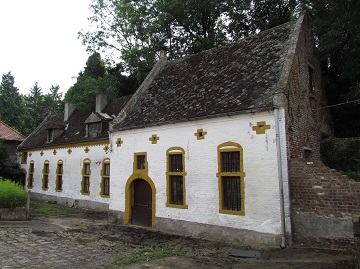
x: 12, y: 139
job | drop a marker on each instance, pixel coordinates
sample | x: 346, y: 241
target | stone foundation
x: 66, y: 201
x: 17, y: 213
x: 236, y: 237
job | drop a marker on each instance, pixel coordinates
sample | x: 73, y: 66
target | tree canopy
x: 137, y: 30
x: 336, y: 27
x: 97, y: 79
x: 25, y: 112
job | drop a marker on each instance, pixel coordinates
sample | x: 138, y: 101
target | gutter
x: 281, y: 178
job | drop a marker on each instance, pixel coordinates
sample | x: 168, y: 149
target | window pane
x: 46, y: 181
x: 59, y: 183
x: 31, y: 168
x: 60, y: 168
x: 106, y: 169
x: 230, y: 161
x: 50, y: 135
x: 176, y: 164
x: 231, y: 193
x: 141, y: 162
x: 176, y: 190
x: 46, y: 168
x: 94, y: 129
x: 106, y: 186
x: 86, y: 184
x: 87, y: 169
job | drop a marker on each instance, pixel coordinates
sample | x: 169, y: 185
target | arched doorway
x: 141, y: 203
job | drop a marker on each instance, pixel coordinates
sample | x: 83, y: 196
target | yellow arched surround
x: 231, y: 147
x: 139, y: 174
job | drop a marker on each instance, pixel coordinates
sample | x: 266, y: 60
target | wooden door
x: 141, y: 208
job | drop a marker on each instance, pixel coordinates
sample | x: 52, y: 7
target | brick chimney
x: 101, y: 101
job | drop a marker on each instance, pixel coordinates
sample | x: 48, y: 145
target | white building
x: 201, y: 148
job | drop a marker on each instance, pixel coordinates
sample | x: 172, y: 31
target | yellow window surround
x: 59, y: 175
x: 169, y: 174
x: 31, y: 175
x: 45, y: 179
x: 231, y: 147
x: 105, y: 176
x: 85, y: 182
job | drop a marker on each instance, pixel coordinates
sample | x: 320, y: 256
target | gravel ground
x: 88, y: 240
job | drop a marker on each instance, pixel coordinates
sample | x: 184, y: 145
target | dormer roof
x: 75, y: 126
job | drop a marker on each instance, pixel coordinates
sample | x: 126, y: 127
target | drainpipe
x: 281, y: 178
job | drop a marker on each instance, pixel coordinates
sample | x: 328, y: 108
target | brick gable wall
x: 306, y: 119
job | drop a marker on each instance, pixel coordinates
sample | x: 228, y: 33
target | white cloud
x: 39, y: 41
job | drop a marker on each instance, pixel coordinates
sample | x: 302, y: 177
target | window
x: 31, y: 175
x: 94, y: 129
x: 140, y: 162
x: 24, y: 156
x: 231, y: 179
x: 50, y: 133
x: 59, y: 176
x: 86, y: 172
x: 175, y: 178
x: 45, y: 180
x: 105, y: 178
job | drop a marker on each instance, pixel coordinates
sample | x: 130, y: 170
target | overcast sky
x: 39, y: 41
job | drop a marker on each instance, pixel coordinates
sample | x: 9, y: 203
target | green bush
x: 11, y: 194
x: 342, y: 155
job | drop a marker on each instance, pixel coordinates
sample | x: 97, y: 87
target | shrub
x: 342, y: 155
x: 11, y: 194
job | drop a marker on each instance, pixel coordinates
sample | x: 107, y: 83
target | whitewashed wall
x: 72, y: 176
x: 262, y: 203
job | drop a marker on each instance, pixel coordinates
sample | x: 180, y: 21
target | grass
x: 145, y: 254
x: 44, y: 209
x: 11, y: 194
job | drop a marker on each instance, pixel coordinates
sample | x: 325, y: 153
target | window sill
x: 177, y: 206
x: 231, y: 212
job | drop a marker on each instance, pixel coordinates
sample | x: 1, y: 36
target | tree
x: 11, y: 104
x: 138, y: 30
x: 53, y: 100
x: 97, y: 79
x: 95, y: 66
x: 336, y: 26
x: 35, y: 107
x: 267, y: 14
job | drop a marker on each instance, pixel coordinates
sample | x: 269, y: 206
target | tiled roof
x: 74, y: 128
x: 8, y: 133
x: 229, y: 79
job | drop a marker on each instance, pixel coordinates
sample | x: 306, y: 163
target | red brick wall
x: 318, y: 190
x: 305, y: 121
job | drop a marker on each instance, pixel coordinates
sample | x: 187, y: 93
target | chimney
x: 162, y: 54
x: 101, y: 101
x: 68, y: 110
